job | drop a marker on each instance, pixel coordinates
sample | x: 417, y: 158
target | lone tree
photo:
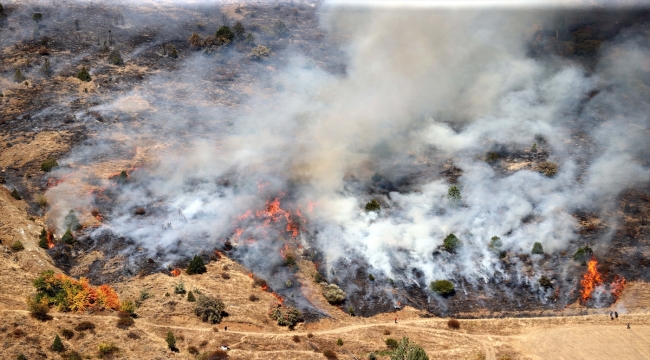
x: 18, y: 76
x: 239, y: 31
x: 285, y: 315
x: 495, y: 242
x: 190, y: 297
x: 115, y: 58
x: 334, y: 294
x: 451, y: 243
x: 71, y: 221
x: 583, y: 254
x: 57, y: 345
x: 42, y: 240
x: 373, y: 205
x: 209, y: 309
x: 37, y: 17
x: 442, y: 287
x: 407, y: 350
x: 83, y: 74
x: 171, y: 340
x: 454, y: 195
x: 537, y: 248
x: 545, y: 282
x: 224, y: 35
x: 46, y: 69
x: 196, y: 266
x: 49, y: 163
x: 67, y: 238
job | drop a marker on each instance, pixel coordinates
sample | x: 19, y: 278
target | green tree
x: 583, y: 254
x: 454, y: 195
x: 495, y: 242
x: 37, y: 17
x: 334, y: 294
x: 442, y: 287
x: 18, y: 76
x: 49, y: 163
x: 42, y: 240
x: 67, y: 238
x: 115, y: 58
x: 533, y: 148
x: 173, y: 54
x: 339, y: 342
x: 209, y: 309
x: 20, y: 356
x: 407, y: 350
x: 171, y: 340
x: 239, y: 31
x: 196, y: 266
x: 57, y: 345
x: 46, y: 70
x: 17, y: 246
x: 451, y: 243
x: 545, y: 282
x: 224, y: 33
x: 373, y: 205
x: 537, y: 248
x: 83, y: 74
x: 71, y: 221
x: 190, y: 297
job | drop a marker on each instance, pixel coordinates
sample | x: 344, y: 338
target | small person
x: 395, y: 320
x: 628, y: 325
x: 225, y: 328
x: 616, y: 314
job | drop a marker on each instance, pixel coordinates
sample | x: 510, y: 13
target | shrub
x: 372, y: 356
x: 442, y: 287
x: 408, y: 351
x: 310, y: 335
x: 583, y: 254
x: 548, y: 168
x: 329, y: 354
x: 296, y: 338
x: 125, y: 322
x: 224, y: 33
x: 250, y: 39
x: 351, y: 310
x: 239, y: 31
x: 370, y: 277
x: 196, y: 266
x: 83, y: 74
x: 14, y: 194
x: 41, y: 200
x: 20, y: 356
x: 173, y: 53
x: 133, y: 335
x: 289, y: 261
x: 171, y: 340
x: 37, y: 17
x: 71, y: 221
x: 453, y: 194
x: 107, y: 349
x: 71, y: 355
x: 545, y: 282
x: 18, y: 76
x: 67, y: 237
x: 495, y: 242
x: 115, y: 58
x: 17, y: 246
x: 373, y: 205
x: 179, y: 288
x: 491, y: 157
x: 209, y: 309
x: 57, y: 345
x: 537, y: 248
x: 195, y: 40
x: 391, y: 343
x: 533, y: 149
x: 279, y: 28
x: 333, y: 294
x: 144, y: 294
x: 259, y: 52
x: 253, y: 297
x: 386, y: 332
x: 451, y: 243
x: 453, y: 324
x: 218, y: 355
x: 85, y: 325
x: 38, y: 309
x: 190, y: 297
x: 128, y: 306
x: 67, y: 334
x: 339, y: 342
x: 288, y: 283
x: 49, y: 164
x: 193, y: 350
x: 285, y: 315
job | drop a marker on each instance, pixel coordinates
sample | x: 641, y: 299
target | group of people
x: 614, y: 314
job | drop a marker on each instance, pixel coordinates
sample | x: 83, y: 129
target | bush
x: 173, y: 53
x: 370, y: 277
x: 107, y: 349
x: 37, y: 17
x: 128, y: 306
x: 196, y: 266
x: 18, y: 76
x: 14, y: 194
x: 548, y: 168
x: 545, y: 282
x: 49, y: 164
x: 115, y: 58
x: 209, y: 309
x: 495, y: 242
x: 386, y: 332
x: 373, y: 205
x: 41, y: 200
x: 190, y: 297
x: 259, y: 52
x: 218, y: 355
x: 296, y: 338
x: 71, y: 221
x: 195, y: 40
x: 533, y: 149
x: 339, y: 342
x: 451, y: 243
x: 239, y: 31
x: 224, y: 33
x: 329, y: 354
x: 17, y: 246
x: 279, y: 28
x: 453, y: 324
x: 289, y: 261
x: 288, y: 283
x: 133, y: 335
x: 38, y: 310
x: 71, y: 355
x: 67, y: 237
x: 179, y: 288
x: 372, y: 356
x: 253, y: 297
x: 67, y: 334
x: 83, y: 74
x: 171, y: 340
x: 125, y: 322
x: 408, y: 351
x: 57, y: 345
x: 285, y: 315
x: 333, y: 294
x: 454, y: 195
x: 537, y: 248
x: 250, y: 39
x: 193, y: 350
x: 391, y: 343
x: 85, y: 325
x: 442, y: 287
x: 491, y: 157
x: 310, y: 335
x: 583, y: 254
x: 20, y: 356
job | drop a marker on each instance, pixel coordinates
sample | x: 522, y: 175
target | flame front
x: 50, y: 240
x: 617, y: 286
x: 176, y: 272
x: 590, y: 280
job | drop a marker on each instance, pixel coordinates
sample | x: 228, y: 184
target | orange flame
x: 50, y: 240
x: 265, y: 287
x: 617, y: 287
x: 218, y: 254
x: 590, y: 280
x: 277, y: 297
x: 250, y: 275
x: 176, y: 272
x: 54, y: 182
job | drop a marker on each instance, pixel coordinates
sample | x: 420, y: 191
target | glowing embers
x: 263, y: 219
x: 176, y: 272
x: 592, y: 280
x: 50, y: 239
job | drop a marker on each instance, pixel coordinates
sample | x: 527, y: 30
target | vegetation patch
x: 442, y: 287
x: 69, y: 294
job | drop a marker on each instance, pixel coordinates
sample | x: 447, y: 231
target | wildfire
x: 54, y: 182
x: 277, y: 297
x: 265, y: 287
x: 176, y: 272
x: 590, y: 280
x: 95, y: 213
x: 250, y: 275
x: 617, y: 286
x: 50, y: 240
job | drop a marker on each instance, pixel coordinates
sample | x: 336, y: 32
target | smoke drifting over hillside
x: 424, y: 91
